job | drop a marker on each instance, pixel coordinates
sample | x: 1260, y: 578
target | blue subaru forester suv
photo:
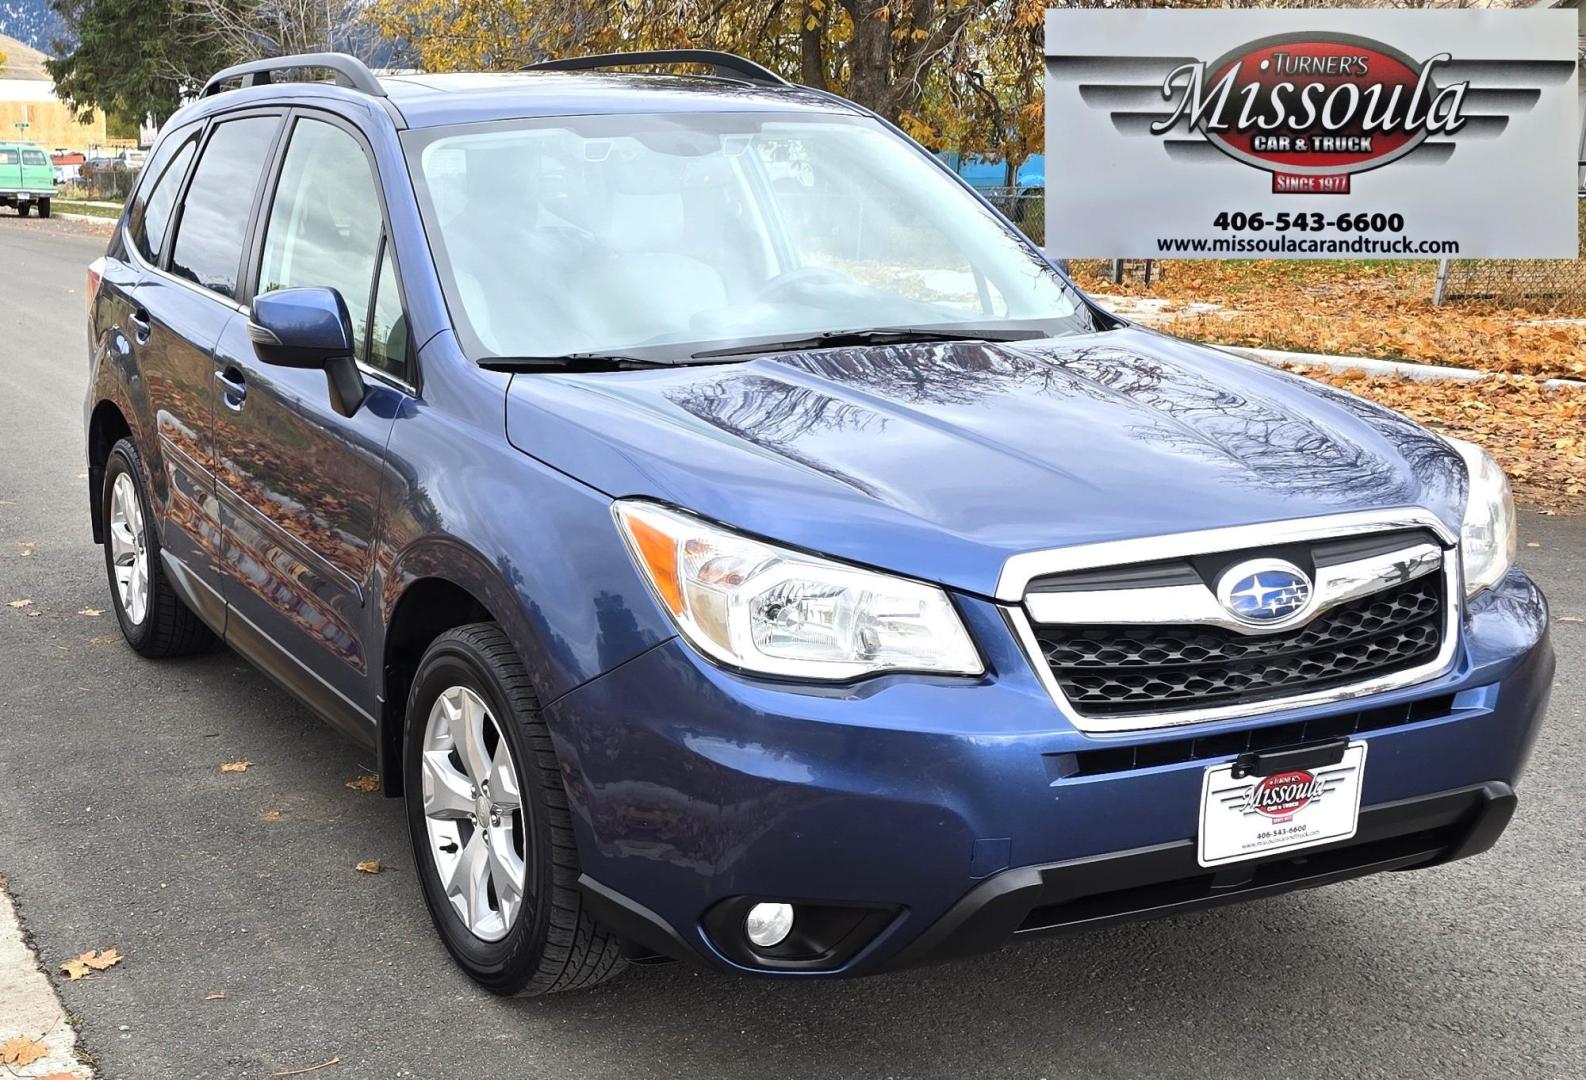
x: 741, y: 545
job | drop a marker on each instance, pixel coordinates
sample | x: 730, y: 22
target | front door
x: 298, y: 481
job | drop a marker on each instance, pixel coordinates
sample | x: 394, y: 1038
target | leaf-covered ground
x: 1384, y: 310
x: 1378, y: 309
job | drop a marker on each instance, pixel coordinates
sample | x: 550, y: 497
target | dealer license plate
x: 1264, y: 815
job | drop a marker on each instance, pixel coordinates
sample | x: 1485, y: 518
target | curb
x: 1371, y: 366
x: 67, y: 215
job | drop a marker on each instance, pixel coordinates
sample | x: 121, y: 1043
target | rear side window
x: 325, y: 225
x: 8, y: 157
x: 33, y: 157
x: 158, y: 186
x: 208, y: 247
x: 153, y: 216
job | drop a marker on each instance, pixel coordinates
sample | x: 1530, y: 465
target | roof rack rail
x: 722, y: 64
x: 350, y: 72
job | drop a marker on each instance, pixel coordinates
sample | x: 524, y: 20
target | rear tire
x: 44, y: 208
x: 23, y: 208
x: 511, y: 805
x: 153, y: 618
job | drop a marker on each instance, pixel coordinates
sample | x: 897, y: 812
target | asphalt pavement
x: 117, y: 826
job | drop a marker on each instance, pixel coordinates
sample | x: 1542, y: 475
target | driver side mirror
x: 309, y: 328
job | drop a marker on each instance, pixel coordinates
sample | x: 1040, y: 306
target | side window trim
x: 374, y: 298
x: 248, y: 284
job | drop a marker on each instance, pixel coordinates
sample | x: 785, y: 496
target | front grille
x: 1119, y: 670
x: 1225, y: 744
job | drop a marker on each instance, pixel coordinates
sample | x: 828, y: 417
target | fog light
x: 769, y: 924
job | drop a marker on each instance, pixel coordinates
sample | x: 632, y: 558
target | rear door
x: 37, y: 175
x: 189, y: 241
x: 299, y: 482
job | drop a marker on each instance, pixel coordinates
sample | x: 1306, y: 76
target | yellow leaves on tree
x: 93, y: 960
x: 956, y: 73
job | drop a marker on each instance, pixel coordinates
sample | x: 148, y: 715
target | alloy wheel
x: 473, y: 813
x: 128, y: 549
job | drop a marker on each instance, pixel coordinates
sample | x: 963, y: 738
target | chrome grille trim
x: 1343, y: 582
x: 1196, y: 605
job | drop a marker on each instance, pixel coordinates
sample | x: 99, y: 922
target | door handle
x: 233, y: 388
x: 141, y: 326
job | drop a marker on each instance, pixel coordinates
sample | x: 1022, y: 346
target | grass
x: 72, y: 206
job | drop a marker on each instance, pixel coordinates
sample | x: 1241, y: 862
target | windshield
x: 669, y: 234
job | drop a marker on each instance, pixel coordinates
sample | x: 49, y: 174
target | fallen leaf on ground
x: 1570, y: 618
x: 22, y: 1050
x: 25, y: 548
x: 93, y: 960
x: 235, y: 766
x: 35, y: 614
x: 60, y: 1076
x: 19, y: 603
x: 214, y: 997
x: 104, y: 639
x: 91, y: 612
x: 368, y: 866
x: 366, y: 782
x: 271, y: 815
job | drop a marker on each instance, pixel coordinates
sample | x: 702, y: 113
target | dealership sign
x: 1311, y: 134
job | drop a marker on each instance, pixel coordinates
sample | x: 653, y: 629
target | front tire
x: 153, y: 618
x: 491, y: 830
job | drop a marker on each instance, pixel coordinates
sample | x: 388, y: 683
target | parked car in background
x: 26, y: 178
x: 983, y: 174
x: 740, y: 544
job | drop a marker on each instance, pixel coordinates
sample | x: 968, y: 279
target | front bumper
x: 952, y: 806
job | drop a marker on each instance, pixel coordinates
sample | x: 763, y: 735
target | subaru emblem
x: 1264, y: 592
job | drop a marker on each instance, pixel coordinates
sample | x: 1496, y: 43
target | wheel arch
x: 107, y: 425
x: 438, y: 585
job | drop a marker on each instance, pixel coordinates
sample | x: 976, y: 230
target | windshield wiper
x: 576, y: 361
x: 878, y: 335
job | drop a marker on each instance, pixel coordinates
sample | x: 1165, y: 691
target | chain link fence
x: 1025, y: 207
x: 1551, y: 285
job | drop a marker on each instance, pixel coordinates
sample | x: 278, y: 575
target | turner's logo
x: 1284, y: 794
x: 1314, y: 104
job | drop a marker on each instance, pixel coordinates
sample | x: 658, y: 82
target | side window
x: 388, y: 325
x: 9, y: 157
x: 34, y: 157
x: 325, y: 225
x: 209, y: 236
x: 151, y: 214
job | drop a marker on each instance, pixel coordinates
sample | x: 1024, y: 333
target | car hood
x: 941, y: 460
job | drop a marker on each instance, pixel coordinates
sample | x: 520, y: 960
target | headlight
x: 1487, y: 537
x: 766, y: 609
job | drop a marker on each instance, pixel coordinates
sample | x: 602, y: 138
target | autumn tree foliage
x: 959, y: 75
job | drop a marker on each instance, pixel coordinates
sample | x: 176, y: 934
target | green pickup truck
x: 26, y: 178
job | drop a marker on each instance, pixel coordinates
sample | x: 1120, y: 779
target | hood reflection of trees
x: 1274, y: 445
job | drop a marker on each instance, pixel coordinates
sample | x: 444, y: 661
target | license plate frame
x: 1253, y: 817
